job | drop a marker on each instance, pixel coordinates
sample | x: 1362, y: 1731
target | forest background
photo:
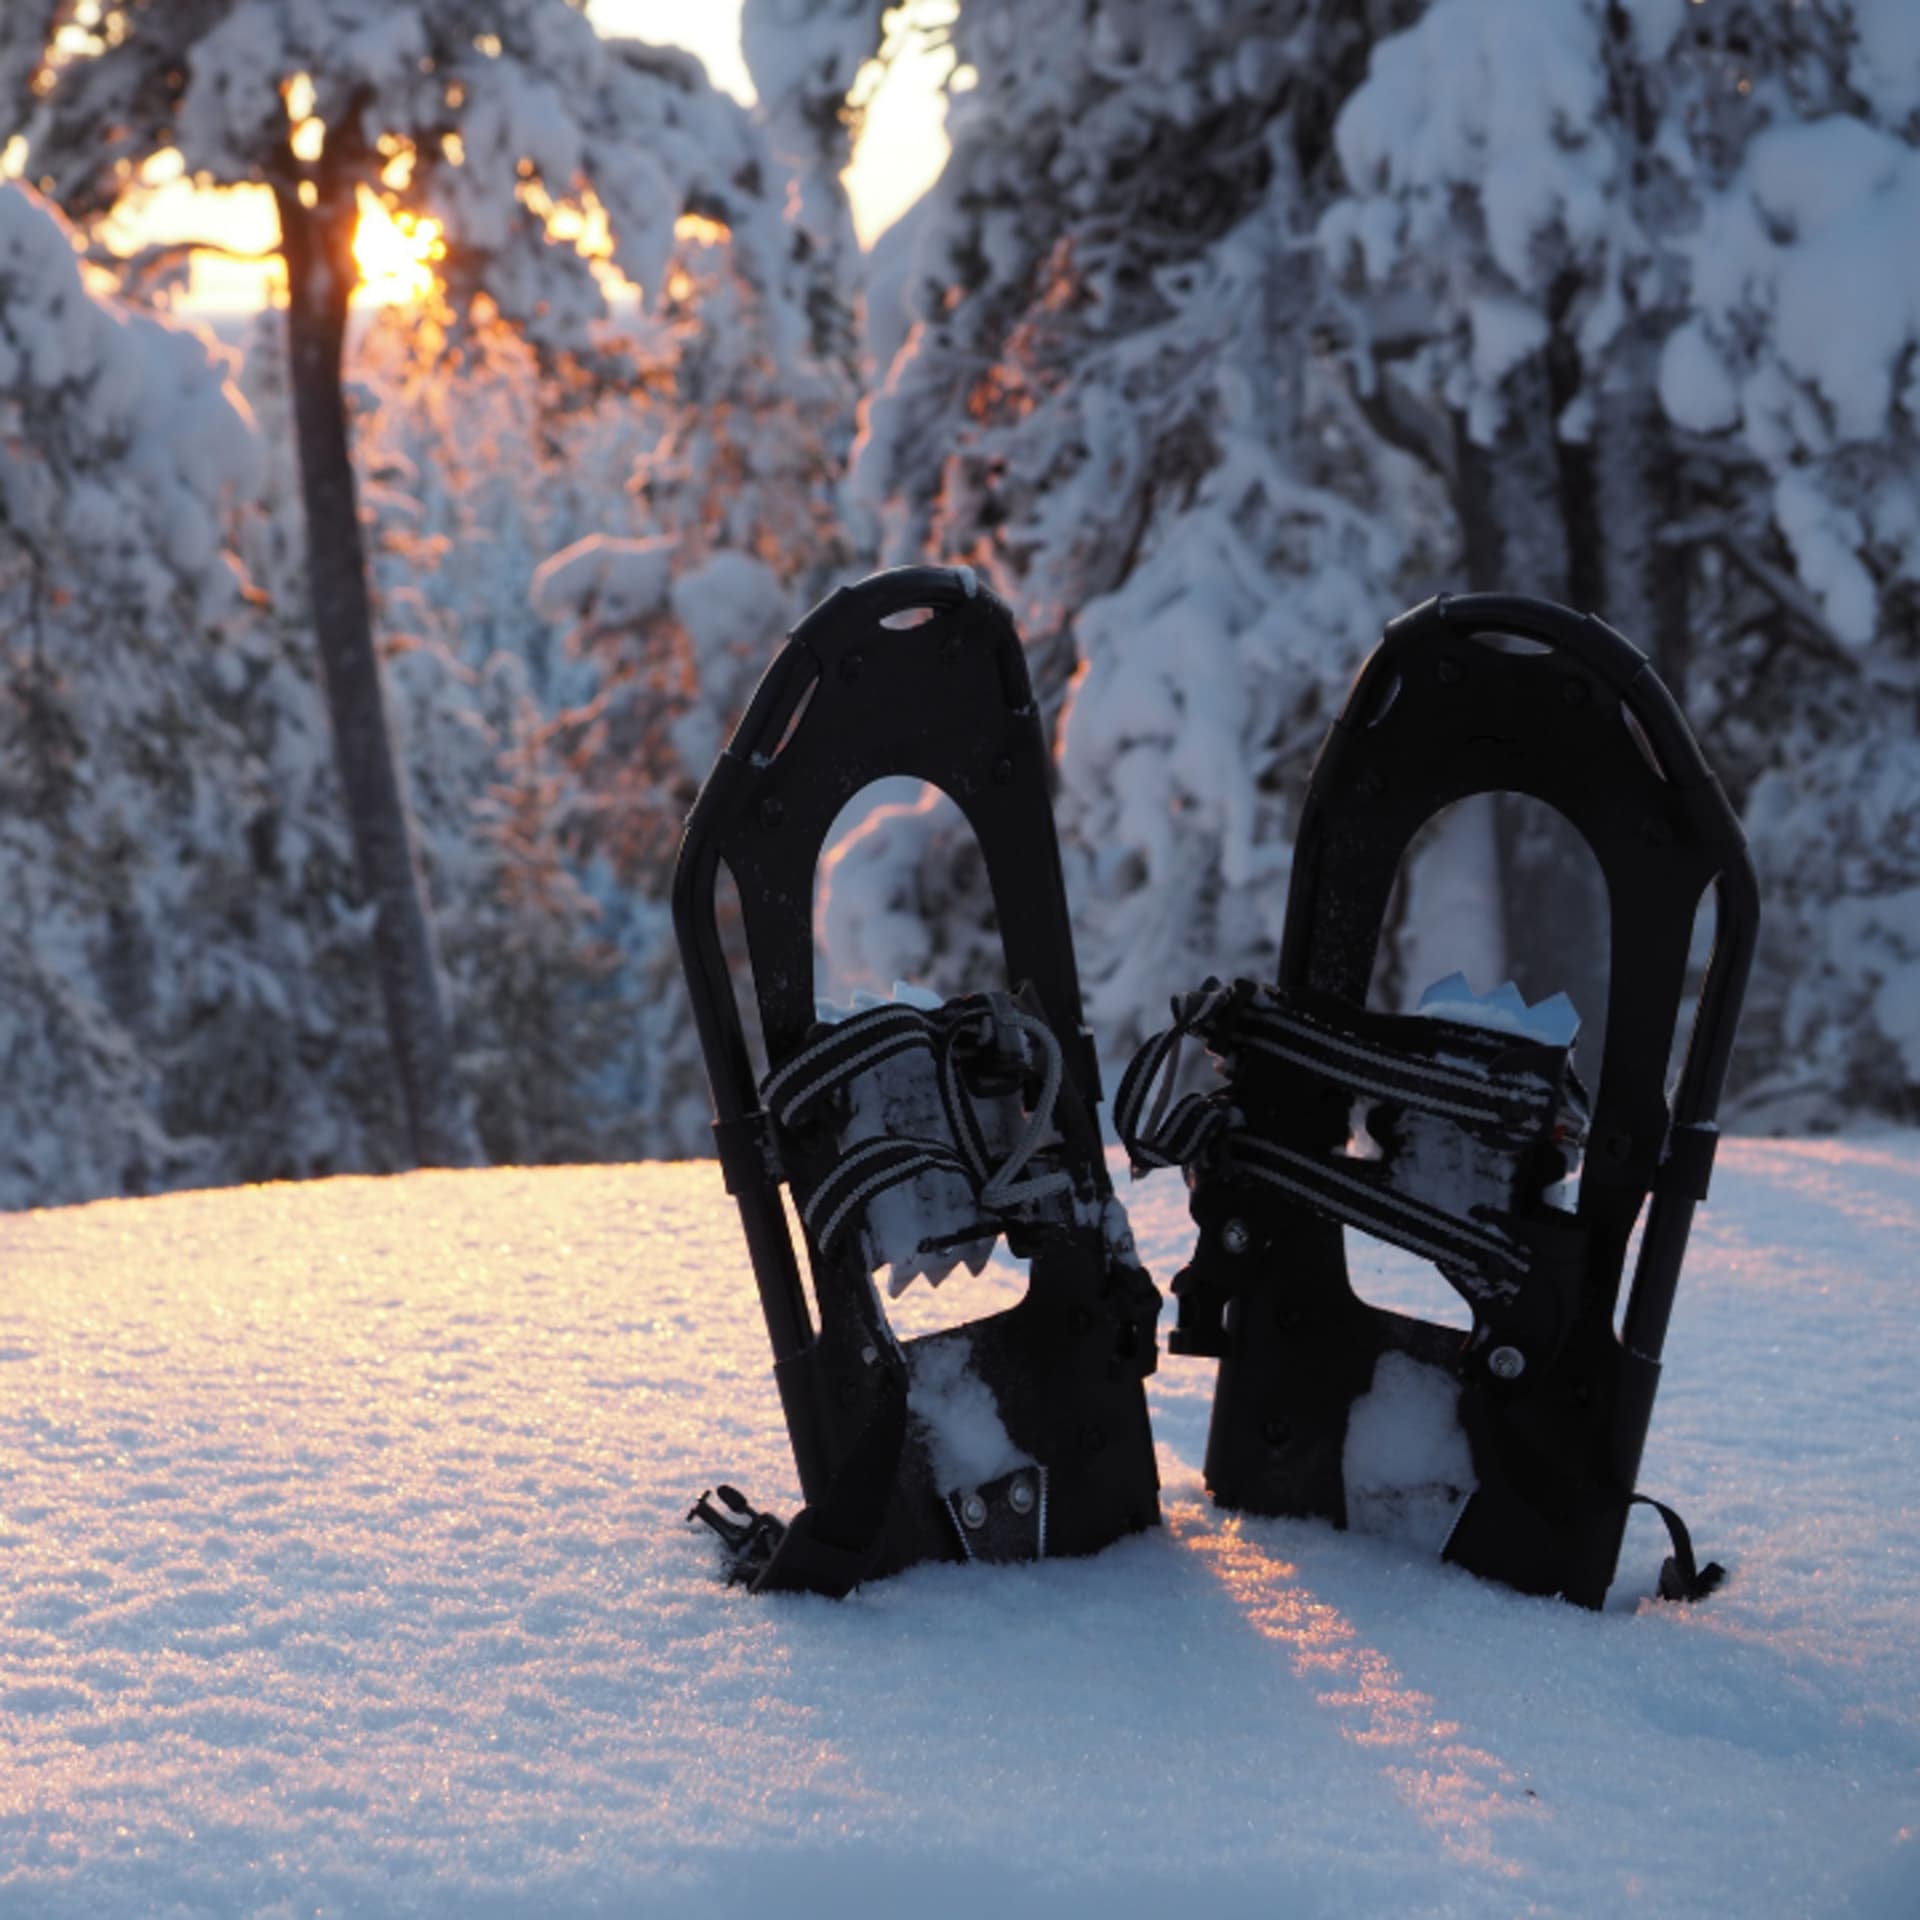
x: 1228, y: 329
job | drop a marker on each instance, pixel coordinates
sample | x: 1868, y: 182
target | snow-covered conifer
x: 492, y: 119
x: 1112, y: 401
x: 173, y: 1004
x: 1637, y: 282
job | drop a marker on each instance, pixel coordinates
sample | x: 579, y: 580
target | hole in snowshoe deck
x: 1512, y: 643
x: 1493, y: 954
x: 1557, y: 923
x: 1706, y: 932
x: 1383, y: 704
x: 897, y: 855
x: 1638, y: 735
x: 733, y: 943
x: 899, y: 859
x: 1385, y: 1276
x: 794, y: 719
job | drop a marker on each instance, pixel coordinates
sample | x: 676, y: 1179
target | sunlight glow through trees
x: 395, y: 254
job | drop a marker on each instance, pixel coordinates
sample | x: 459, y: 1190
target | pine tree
x: 1112, y: 402
x: 1235, y: 326
x: 1636, y: 282
x: 174, y: 1011
x: 486, y: 117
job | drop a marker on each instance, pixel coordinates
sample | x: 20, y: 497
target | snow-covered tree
x: 1111, y: 400
x: 729, y: 530
x: 1235, y: 326
x: 1637, y: 282
x: 805, y: 57
x: 491, y: 117
x: 175, y: 1004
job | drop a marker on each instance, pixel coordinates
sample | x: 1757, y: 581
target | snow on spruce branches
x: 1233, y: 327
x: 489, y: 435
x: 1112, y: 400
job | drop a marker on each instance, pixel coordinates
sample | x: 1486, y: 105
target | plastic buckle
x: 750, y: 1541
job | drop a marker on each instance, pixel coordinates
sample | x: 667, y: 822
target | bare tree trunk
x: 317, y: 243
x: 1525, y: 529
x: 1637, y: 496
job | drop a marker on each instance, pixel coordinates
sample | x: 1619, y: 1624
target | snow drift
x: 343, y: 1569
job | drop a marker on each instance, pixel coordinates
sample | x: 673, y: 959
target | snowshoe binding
x: 1447, y: 1132
x: 910, y: 1131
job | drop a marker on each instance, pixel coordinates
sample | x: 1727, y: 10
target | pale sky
x: 903, y: 143
x: 902, y: 148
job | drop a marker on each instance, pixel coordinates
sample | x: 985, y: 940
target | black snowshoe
x: 1463, y: 1129
x: 1014, y: 1437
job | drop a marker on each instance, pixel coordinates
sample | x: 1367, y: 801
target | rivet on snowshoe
x: 973, y: 1511
x: 1020, y: 1496
x: 1234, y: 1237
x: 1506, y: 1363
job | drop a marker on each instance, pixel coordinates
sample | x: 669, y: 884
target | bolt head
x: 1020, y: 1496
x: 1235, y: 1238
x: 1506, y: 1363
x: 973, y: 1511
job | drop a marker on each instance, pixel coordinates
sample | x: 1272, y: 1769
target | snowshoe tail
x: 916, y: 672
x: 1553, y: 1401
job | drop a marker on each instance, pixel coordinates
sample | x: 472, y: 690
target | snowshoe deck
x: 1465, y: 1128
x: 916, y: 672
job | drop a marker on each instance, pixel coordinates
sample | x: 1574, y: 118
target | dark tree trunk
x: 1522, y: 511
x: 317, y: 243
x: 1638, y: 497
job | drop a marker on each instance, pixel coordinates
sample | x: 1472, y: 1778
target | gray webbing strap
x: 967, y: 1033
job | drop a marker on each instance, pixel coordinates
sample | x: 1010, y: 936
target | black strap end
x: 1682, y: 1578
x: 1677, y: 1584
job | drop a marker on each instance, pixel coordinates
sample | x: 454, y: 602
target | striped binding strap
x: 1507, y: 1094
x: 964, y: 1044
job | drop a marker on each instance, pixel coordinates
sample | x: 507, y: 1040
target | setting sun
x: 395, y: 255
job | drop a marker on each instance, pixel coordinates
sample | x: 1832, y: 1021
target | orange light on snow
x: 395, y: 254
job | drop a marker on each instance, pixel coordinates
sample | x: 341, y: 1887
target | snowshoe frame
x: 1465, y: 695
x: 940, y: 695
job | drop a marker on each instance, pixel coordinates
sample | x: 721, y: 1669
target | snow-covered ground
x: 343, y: 1571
